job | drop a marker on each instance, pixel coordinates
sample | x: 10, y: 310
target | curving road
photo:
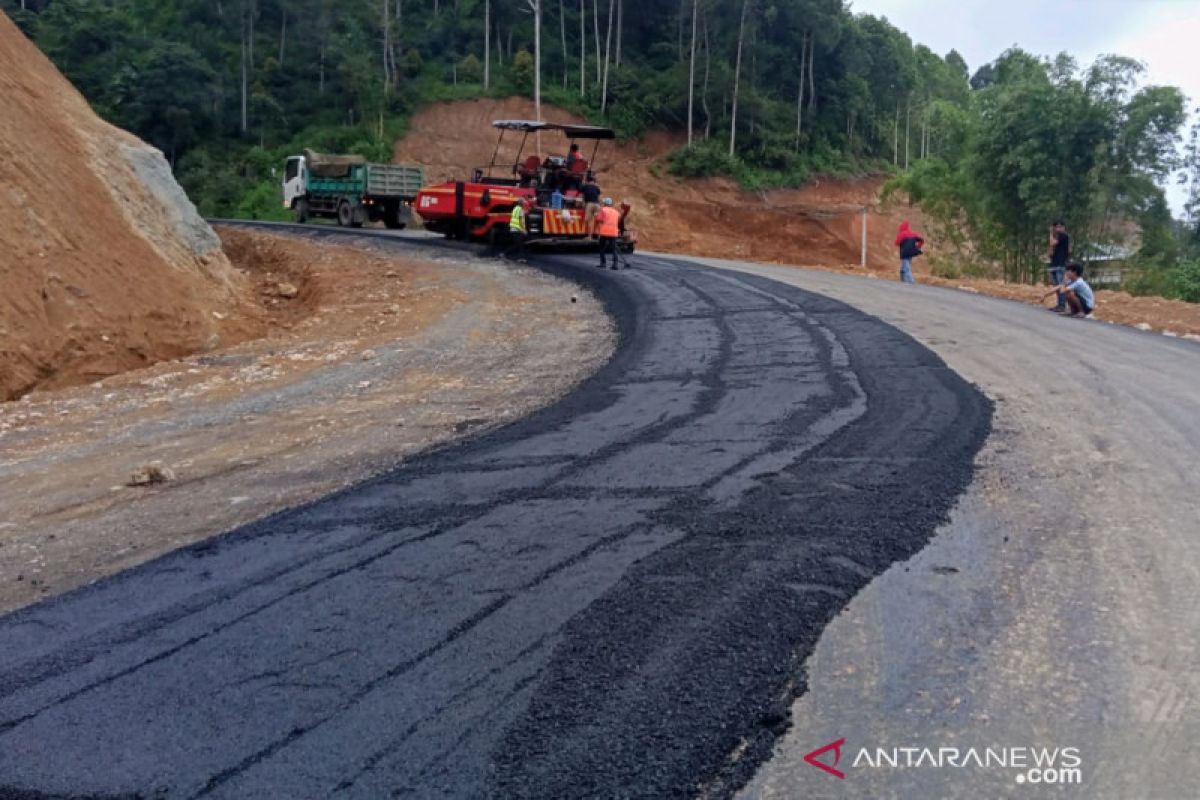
x: 613, y: 597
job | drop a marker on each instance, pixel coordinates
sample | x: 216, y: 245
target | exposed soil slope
x: 815, y: 225
x: 104, y: 263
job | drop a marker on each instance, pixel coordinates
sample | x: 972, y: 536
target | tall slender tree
x: 607, y: 47
x: 737, y: 75
x: 692, y: 74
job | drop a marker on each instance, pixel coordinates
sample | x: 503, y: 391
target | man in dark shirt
x: 591, y: 204
x: 1060, y: 253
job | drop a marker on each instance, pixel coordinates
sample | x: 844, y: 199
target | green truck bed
x: 375, y: 180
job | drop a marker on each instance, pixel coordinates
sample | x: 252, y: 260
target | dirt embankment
x: 373, y: 357
x: 104, y: 263
x: 819, y: 224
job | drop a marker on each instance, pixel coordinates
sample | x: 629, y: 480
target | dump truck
x: 350, y: 189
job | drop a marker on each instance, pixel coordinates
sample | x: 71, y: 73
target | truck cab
x: 295, y: 181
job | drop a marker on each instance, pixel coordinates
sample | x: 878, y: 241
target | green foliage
x: 701, y: 160
x: 470, y: 70
x: 1185, y: 281
x: 522, y: 71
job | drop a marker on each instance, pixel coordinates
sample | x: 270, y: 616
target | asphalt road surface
x: 611, y: 598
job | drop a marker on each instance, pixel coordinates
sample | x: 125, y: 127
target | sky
x: 1163, y: 34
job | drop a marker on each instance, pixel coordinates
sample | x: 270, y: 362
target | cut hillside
x: 104, y: 263
x: 818, y: 224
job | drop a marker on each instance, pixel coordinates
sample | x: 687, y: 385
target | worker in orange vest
x: 608, y: 226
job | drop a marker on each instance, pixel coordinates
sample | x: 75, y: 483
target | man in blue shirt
x: 1075, y: 290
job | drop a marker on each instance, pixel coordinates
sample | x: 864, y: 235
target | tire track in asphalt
x: 607, y: 598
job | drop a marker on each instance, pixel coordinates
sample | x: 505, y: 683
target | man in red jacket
x: 910, y: 243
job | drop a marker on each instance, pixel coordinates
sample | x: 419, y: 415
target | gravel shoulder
x: 376, y: 356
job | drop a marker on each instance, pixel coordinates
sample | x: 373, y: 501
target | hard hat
x: 608, y: 201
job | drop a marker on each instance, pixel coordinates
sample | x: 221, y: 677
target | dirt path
x: 375, y: 357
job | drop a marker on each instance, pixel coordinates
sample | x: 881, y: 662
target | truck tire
x: 393, y: 219
x: 345, y: 214
x: 300, y: 208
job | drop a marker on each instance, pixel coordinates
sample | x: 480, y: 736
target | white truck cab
x: 295, y: 180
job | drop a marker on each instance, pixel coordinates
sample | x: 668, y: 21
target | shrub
x: 470, y: 70
x: 701, y: 160
x: 1185, y: 281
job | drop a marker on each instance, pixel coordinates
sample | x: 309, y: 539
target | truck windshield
x: 293, y: 168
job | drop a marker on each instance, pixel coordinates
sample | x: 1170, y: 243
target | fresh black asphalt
x: 611, y: 598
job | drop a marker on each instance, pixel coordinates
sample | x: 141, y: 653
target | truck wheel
x: 300, y: 207
x: 345, y: 215
x: 393, y: 220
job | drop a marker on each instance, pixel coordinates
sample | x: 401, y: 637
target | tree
x: 692, y: 74
x: 737, y: 74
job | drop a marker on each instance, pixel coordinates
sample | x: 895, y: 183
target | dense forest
x: 770, y: 92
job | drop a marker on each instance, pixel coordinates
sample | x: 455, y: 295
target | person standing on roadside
x: 517, y: 230
x: 1060, y: 254
x: 910, y: 243
x: 608, y: 225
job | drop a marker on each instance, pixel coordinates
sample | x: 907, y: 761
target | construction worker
x: 591, y: 204
x: 517, y: 230
x: 608, y: 226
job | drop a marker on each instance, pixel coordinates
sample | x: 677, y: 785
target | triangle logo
x: 813, y: 758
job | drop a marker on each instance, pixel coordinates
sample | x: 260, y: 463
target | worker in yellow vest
x: 608, y: 226
x: 518, y: 229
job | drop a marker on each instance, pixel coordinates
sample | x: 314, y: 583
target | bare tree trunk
x: 812, y: 86
x: 907, y: 128
x: 692, y: 71
x: 737, y: 75
x: 582, y: 47
x: 620, y: 20
x: 282, y: 33
x: 707, y: 71
x: 896, y: 138
x: 607, y: 49
x: 562, y: 32
x: 245, y: 73
x: 800, y: 92
x: 321, y: 72
x: 250, y: 38
x: 499, y: 47
x: 487, y: 44
x: 537, y: 66
x: 387, y: 65
x: 596, y: 30
x: 679, y: 28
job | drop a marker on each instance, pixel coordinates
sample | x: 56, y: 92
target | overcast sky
x: 1164, y: 34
